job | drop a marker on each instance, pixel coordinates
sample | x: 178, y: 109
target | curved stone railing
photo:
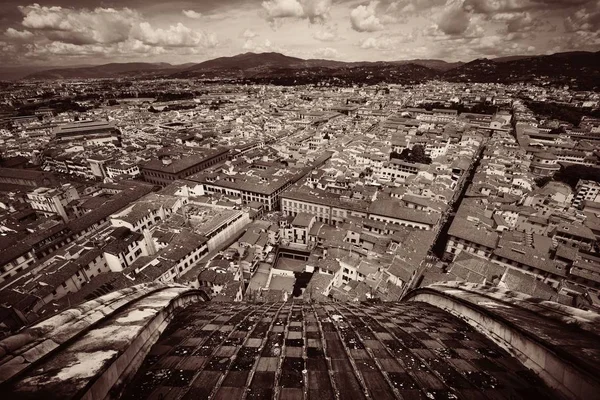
x: 559, y: 343
x: 90, y: 350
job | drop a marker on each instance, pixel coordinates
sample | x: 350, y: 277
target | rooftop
x: 386, y: 350
x: 302, y: 220
x: 393, y: 208
x: 464, y: 229
x: 83, y: 127
x: 183, y: 163
x: 424, y: 347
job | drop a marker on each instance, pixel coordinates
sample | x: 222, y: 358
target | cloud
x: 364, y: 18
x: 502, y: 6
x: 316, y: 10
x: 486, y: 6
x: 261, y: 47
x: 489, y: 46
x: 326, y: 34
x: 313, y: 10
x: 453, y: 21
x: 386, y: 42
x: 101, y: 32
x: 412, y: 6
x: 517, y: 22
x: 19, y: 35
x: 283, y: 9
x: 249, y: 34
x: 101, y: 25
x: 520, y: 22
x: 584, y: 20
x: 380, y: 43
x: 175, y: 36
x: 326, y: 52
x: 192, y: 14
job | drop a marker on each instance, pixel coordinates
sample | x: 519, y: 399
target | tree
x: 542, y: 180
x: 573, y: 173
x: 561, y: 112
x: 405, y: 155
x: 418, y: 154
x: 414, y: 155
x: 395, y: 154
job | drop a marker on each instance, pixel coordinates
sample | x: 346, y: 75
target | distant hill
x: 277, y: 68
x: 22, y: 71
x: 260, y: 60
x: 510, y: 58
x: 249, y: 60
x: 112, y: 70
x: 438, y: 65
x: 251, y: 64
x: 578, y: 69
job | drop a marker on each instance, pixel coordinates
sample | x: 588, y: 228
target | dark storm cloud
x: 454, y: 21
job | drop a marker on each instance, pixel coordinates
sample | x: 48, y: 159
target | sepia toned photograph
x: 300, y: 200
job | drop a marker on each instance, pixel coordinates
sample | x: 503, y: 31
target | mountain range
x: 580, y: 69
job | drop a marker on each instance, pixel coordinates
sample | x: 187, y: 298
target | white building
x: 53, y: 201
x: 586, y: 190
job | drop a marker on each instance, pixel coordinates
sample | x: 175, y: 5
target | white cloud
x: 364, y: 18
x: 327, y: 33
x: 313, y: 10
x: 192, y: 14
x: 402, y: 8
x: 261, y: 47
x: 492, y: 7
x: 326, y: 52
x: 324, y: 36
x: 19, y: 35
x: 101, y: 32
x: 316, y: 10
x: 381, y: 43
x: 175, y: 36
x: 101, y: 25
x: 249, y: 34
x: 65, y: 49
x: 283, y: 9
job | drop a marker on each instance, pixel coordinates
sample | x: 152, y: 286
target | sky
x: 79, y: 32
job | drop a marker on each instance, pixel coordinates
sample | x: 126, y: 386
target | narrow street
x: 440, y: 243
x: 437, y: 250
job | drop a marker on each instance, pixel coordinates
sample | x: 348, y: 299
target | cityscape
x: 268, y: 222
